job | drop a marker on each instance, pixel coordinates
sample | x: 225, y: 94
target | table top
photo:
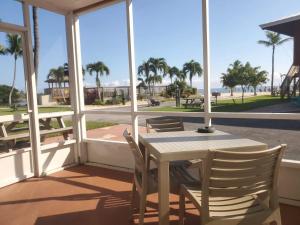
x: 184, y: 145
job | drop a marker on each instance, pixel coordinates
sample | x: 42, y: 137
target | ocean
x: 237, y: 89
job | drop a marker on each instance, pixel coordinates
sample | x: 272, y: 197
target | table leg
x: 11, y: 126
x: 46, y: 123
x: 61, y: 124
x: 163, y: 193
x: 3, y: 132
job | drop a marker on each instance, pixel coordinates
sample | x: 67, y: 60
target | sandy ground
x: 239, y: 95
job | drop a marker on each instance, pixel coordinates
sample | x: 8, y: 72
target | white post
x: 132, y: 71
x: 206, y: 60
x: 32, y: 93
x: 76, y: 85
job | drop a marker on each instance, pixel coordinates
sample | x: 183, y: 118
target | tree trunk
x: 254, y: 87
x: 13, y: 83
x: 98, y: 86
x: 272, y: 78
x: 243, y: 91
x: 191, y: 82
x: 149, y: 89
x: 231, y: 91
x: 153, y: 87
x: 62, y: 91
x: 36, y: 39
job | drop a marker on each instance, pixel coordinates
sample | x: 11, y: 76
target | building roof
x: 66, y: 6
x: 287, y: 25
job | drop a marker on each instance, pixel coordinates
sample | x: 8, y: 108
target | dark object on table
x: 206, y: 130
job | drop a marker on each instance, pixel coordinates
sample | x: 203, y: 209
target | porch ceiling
x: 66, y: 6
x: 288, y: 25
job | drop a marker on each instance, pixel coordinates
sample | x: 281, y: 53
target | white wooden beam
x: 231, y: 115
x: 206, y: 61
x: 266, y: 116
x: 47, y: 6
x: 178, y: 114
x: 95, y: 6
x: 76, y: 84
x: 80, y: 90
x: 132, y: 70
x: 12, y: 28
x: 32, y: 93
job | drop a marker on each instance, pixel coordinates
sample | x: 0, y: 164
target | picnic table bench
x: 9, y: 140
x: 192, y: 102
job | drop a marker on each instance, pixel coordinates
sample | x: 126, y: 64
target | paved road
x: 272, y: 132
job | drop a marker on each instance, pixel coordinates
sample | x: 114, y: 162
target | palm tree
x: 181, y: 76
x: 160, y: 68
x: 192, y: 68
x: 66, y: 69
x: 36, y: 40
x: 58, y: 75
x: 229, y: 80
x: 173, y: 72
x: 144, y: 70
x: 273, y: 40
x: 257, y: 77
x: 100, y: 69
x: 243, y: 76
x: 14, y: 48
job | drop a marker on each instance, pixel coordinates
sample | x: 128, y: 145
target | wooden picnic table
x: 9, y: 140
x: 187, y: 145
x: 192, y: 102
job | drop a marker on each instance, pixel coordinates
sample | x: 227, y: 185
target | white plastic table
x: 187, y: 145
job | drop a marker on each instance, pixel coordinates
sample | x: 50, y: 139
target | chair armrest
x: 195, y: 163
x: 153, y: 158
x: 148, y: 163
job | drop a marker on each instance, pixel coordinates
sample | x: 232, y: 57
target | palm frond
x: 2, y: 50
x: 266, y: 43
x: 284, y: 40
x: 14, y: 45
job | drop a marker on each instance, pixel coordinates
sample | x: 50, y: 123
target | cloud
x: 116, y: 83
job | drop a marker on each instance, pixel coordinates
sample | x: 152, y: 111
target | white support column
x: 76, y: 85
x: 132, y: 70
x: 32, y: 93
x: 206, y: 60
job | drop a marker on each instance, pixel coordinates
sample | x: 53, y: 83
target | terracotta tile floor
x: 86, y: 195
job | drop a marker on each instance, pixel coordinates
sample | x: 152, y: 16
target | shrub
x: 109, y: 102
x: 4, y: 93
x: 98, y: 102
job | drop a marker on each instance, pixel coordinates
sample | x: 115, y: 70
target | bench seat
x: 42, y: 133
x: 192, y: 105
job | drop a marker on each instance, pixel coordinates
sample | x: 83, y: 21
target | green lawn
x: 229, y: 105
x: 9, y: 111
x: 90, y: 125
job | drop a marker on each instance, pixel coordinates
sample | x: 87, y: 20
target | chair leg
x: 143, y: 198
x: 278, y: 217
x: 133, y: 196
x: 181, y: 208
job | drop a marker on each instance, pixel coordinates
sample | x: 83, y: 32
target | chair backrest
x: 164, y: 124
x: 139, y: 158
x: 234, y: 174
x: 237, y: 174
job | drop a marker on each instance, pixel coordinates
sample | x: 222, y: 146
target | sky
x: 171, y: 29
